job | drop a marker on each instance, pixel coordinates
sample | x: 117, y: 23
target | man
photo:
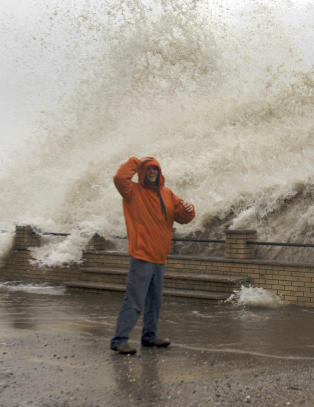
x: 149, y: 210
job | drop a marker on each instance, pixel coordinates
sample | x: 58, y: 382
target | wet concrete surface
x: 54, y: 351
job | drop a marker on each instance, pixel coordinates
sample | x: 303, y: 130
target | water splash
x: 222, y: 95
x: 255, y: 297
x: 44, y: 289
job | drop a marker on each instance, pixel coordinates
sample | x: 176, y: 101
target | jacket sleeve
x: 180, y: 214
x: 124, y: 175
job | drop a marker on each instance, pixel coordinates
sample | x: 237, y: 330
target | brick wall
x: 18, y: 267
x: 293, y: 282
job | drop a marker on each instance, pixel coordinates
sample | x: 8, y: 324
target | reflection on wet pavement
x: 55, y: 350
x: 281, y: 332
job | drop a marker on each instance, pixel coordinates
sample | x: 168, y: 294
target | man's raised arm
x: 124, y: 175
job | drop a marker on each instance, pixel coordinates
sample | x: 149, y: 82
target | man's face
x: 151, y: 173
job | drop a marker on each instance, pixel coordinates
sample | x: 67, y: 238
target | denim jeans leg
x: 153, y: 304
x: 138, y: 280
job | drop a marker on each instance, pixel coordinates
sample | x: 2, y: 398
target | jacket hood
x: 142, y: 171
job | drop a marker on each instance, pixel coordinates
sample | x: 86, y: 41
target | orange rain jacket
x: 149, y: 232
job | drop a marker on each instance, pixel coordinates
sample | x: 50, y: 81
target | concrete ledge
x: 294, y: 282
x: 182, y: 293
x: 174, y: 257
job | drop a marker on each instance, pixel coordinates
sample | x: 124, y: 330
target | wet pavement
x: 54, y: 351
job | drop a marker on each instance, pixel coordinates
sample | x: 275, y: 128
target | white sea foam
x: 56, y: 251
x: 32, y: 288
x: 221, y: 93
x: 200, y: 315
x: 254, y: 296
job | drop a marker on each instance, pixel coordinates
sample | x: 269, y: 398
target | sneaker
x: 159, y: 342
x: 124, y: 349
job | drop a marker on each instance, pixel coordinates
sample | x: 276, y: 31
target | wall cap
x: 215, y: 259
x: 240, y: 231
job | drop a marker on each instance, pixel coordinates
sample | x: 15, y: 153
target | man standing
x: 150, y: 209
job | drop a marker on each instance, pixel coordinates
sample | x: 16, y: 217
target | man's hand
x: 145, y: 159
x: 188, y: 207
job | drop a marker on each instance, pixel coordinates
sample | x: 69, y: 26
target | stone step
x: 191, y: 294
x: 118, y: 260
x: 101, y: 258
x: 174, y: 280
x: 95, y: 285
x: 105, y: 270
x: 205, y: 276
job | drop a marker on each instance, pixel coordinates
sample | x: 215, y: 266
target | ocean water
x: 221, y: 93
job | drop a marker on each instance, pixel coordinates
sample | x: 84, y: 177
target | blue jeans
x: 143, y: 289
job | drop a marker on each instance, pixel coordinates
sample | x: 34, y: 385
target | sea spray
x: 62, y: 251
x: 43, y: 289
x: 254, y: 297
x: 221, y: 94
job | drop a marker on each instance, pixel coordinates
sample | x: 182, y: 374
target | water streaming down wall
x: 221, y: 94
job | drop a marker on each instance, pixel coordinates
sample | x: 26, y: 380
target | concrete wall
x: 293, y: 282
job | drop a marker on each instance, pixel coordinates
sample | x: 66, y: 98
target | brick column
x: 99, y: 243
x: 236, y: 246
x: 25, y: 237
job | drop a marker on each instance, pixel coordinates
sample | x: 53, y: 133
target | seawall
x: 294, y: 283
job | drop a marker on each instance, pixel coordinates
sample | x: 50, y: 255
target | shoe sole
x: 131, y: 352
x: 127, y: 353
x: 151, y: 345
